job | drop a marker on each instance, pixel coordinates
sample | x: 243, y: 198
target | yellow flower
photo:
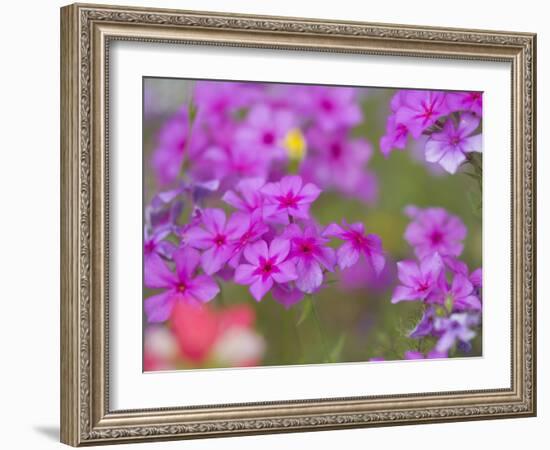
x: 295, y: 145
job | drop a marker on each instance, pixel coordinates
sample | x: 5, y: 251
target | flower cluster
x: 231, y: 131
x: 450, y: 294
x: 450, y: 120
x: 269, y: 242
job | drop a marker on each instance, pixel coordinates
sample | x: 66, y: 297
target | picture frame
x: 87, y: 32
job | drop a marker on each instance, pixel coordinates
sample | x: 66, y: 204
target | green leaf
x: 337, y: 349
x: 306, y: 312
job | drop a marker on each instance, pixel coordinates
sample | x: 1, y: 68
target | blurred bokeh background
x: 355, y: 320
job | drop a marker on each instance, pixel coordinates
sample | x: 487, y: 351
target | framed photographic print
x: 276, y: 225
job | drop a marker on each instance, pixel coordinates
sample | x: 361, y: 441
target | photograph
x: 293, y: 224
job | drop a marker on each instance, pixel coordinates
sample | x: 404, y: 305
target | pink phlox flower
x: 179, y: 286
x: 357, y: 243
x: 264, y: 130
x: 435, y: 230
x: 289, y: 197
x: 465, y: 101
x: 450, y: 147
x: 420, y: 109
x: 418, y: 281
x: 266, y: 265
x: 216, y: 236
x: 311, y: 255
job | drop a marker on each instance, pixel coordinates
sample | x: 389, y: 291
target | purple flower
x: 288, y: 197
x: 252, y: 228
x: 476, y: 278
x: 267, y: 265
x: 217, y: 237
x: 331, y: 107
x: 456, y: 327
x: 435, y: 230
x: 217, y: 100
x: 264, y: 130
x: 287, y: 294
x: 418, y: 281
x: 420, y: 110
x: 310, y: 254
x: 465, y: 101
x: 450, y: 146
x: 154, y: 244
x: 357, y: 243
x: 461, y: 294
x: 425, y: 326
x: 246, y: 196
x: 395, y: 137
x: 181, y: 286
x: 338, y: 162
x: 167, y: 158
x: 412, y: 354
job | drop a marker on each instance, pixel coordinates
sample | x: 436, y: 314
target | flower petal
x: 213, y: 259
x: 187, y: 259
x: 203, y: 288
x: 468, y: 124
x: 260, y: 287
x: 253, y: 252
x: 347, y: 255
x: 156, y: 274
x: 404, y: 293
x: 279, y: 249
x: 197, y: 237
x: 291, y: 183
x: 286, y: 273
x: 451, y: 160
x: 159, y: 307
x: 310, y: 276
x: 473, y: 144
x: 309, y: 192
x: 244, y: 274
x: 408, y: 272
x: 214, y: 220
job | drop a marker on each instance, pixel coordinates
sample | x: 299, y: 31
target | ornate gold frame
x: 86, y: 31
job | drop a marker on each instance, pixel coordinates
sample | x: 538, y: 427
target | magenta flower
x: 287, y: 294
x: 338, y: 162
x: 461, y: 294
x: 331, y: 107
x: 395, y: 137
x: 434, y: 354
x: 181, y: 286
x: 289, y: 197
x: 476, y: 278
x: 418, y: 281
x: 167, y: 158
x: 264, y: 130
x: 252, y: 228
x: 465, y: 101
x: 267, y: 265
x: 310, y: 254
x: 154, y: 244
x: 216, y: 237
x: 420, y: 110
x: 216, y: 100
x: 435, y: 230
x: 450, y: 146
x: 357, y: 244
x: 246, y: 196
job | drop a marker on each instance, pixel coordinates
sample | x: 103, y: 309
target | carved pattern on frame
x: 88, y: 16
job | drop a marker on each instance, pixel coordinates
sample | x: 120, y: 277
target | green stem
x: 319, y: 329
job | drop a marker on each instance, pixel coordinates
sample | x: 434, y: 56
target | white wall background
x: 29, y: 222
